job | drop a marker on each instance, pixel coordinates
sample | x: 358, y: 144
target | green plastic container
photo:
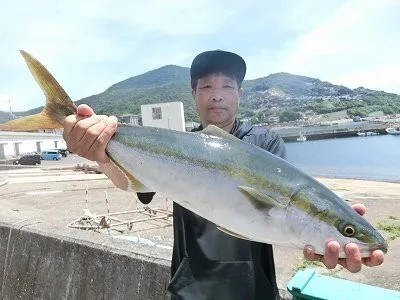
x: 307, y: 284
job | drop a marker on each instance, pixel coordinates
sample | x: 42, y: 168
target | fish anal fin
x: 115, y: 174
x: 216, y: 131
x: 259, y: 199
x: 227, y: 231
x: 122, y: 178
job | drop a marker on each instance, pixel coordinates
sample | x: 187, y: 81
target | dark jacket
x: 209, y: 264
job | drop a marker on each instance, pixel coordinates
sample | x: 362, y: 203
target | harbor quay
x: 331, y: 130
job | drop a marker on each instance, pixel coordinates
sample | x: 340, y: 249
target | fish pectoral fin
x: 216, y: 131
x: 227, y: 231
x: 258, y: 199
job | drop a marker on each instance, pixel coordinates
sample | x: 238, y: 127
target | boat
x: 368, y: 133
x: 393, y: 130
x: 302, y: 138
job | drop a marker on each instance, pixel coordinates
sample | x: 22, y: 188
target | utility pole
x: 11, y: 113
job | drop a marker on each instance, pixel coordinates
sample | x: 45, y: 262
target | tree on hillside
x: 289, y: 115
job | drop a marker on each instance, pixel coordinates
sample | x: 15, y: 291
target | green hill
x: 4, y: 117
x: 264, y: 99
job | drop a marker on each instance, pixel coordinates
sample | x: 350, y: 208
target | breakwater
x: 334, y: 130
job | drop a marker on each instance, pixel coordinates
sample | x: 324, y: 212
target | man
x: 207, y: 263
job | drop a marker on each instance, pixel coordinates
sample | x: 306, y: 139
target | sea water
x: 370, y: 157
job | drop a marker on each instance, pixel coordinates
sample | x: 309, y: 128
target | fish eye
x: 349, y: 230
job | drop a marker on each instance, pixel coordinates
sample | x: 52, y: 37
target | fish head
x: 355, y: 229
x: 318, y: 215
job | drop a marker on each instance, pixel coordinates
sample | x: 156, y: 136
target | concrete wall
x: 171, y: 116
x: 47, y: 263
x: 39, y: 262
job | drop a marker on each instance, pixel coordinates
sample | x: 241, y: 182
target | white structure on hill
x: 168, y: 115
x: 191, y: 125
x: 129, y: 119
x: 16, y: 143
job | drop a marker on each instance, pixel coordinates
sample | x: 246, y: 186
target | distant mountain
x: 161, y: 76
x: 280, y: 93
x: 295, y: 85
x: 265, y: 99
x: 166, y: 84
x: 4, y: 116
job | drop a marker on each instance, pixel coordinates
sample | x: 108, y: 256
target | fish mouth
x: 382, y: 247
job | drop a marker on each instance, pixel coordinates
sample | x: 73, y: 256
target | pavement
x: 56, y: 195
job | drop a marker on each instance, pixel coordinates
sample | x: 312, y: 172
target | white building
x: 164, y: 115
x: 129, y: 119
x: 190, y: 125
x: 16, y: 143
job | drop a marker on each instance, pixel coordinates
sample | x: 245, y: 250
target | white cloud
x: 92, y: 45
x: 357, y: 40
x: 382, y: 77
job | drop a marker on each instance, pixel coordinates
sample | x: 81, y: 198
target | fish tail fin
x: 58, y: 104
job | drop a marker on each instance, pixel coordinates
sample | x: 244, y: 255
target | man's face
x: 217, y: 99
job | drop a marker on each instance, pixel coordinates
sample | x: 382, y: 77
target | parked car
x: 50, y: 155
x: 27, y: 159
x: 63, y: 152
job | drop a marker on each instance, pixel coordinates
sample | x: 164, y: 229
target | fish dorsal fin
x: 258, y: 199
x: 227, y: 231
x: 216, y: 131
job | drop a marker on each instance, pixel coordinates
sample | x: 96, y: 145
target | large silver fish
x: 246, y: 191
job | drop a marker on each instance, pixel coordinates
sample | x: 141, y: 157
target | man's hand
x: 353, y: 260
x: 87, y: 134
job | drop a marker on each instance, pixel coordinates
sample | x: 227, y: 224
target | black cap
x: 215, y: 61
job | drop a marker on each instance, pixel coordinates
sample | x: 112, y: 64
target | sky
x: 90, y: 45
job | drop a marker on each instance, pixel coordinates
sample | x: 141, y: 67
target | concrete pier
x: 42, y: 258
x: 330, y: 131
